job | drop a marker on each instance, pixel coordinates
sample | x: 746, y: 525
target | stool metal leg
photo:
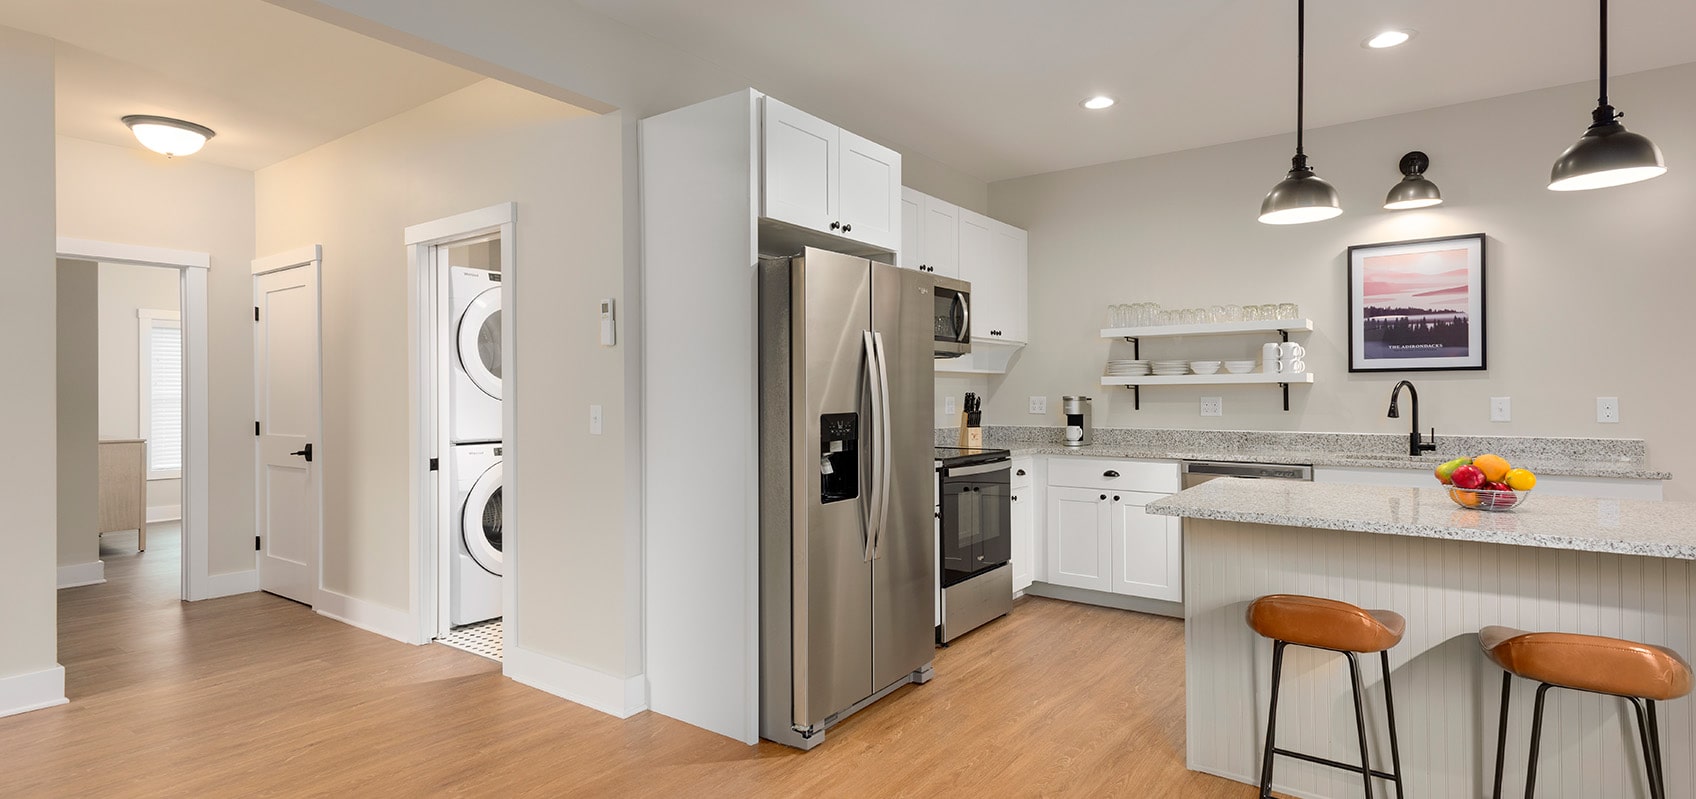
x: 1536, y: 735
x: 1650, y: 757
x: 1390, y: 711
x: 1502, y: 734
x: 1660, y: 777
x: 1271, y: 720
x: 1360, y: 722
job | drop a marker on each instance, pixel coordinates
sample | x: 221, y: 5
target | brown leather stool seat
x: 1320, y: 623
x: 1325, y: 623
x: 1641, y: 673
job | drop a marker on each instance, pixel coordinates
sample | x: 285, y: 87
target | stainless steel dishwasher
x: 1198, y: 472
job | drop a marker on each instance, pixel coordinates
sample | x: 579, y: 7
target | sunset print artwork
x: 1417, y: 305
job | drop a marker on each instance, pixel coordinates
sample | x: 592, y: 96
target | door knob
x: 305, y: 453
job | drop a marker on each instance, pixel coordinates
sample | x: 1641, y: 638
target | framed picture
x: 1417, y: 305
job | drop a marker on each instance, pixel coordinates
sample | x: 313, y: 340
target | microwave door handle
x: 885, y: 459
x: 874, y: 493
x: 965, y: 317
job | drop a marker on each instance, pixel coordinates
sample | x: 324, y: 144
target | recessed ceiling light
x: 1389, y: 38
x: 1098, y: 102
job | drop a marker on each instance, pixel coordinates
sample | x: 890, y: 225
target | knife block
x: 970, y: 435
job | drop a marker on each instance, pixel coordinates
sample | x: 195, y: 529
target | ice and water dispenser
x: 839, y: 457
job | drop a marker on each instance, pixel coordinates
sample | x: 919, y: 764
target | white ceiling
x: 991, y: 87
x: 271, y: 82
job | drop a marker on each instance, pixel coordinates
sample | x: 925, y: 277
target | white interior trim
x: 80, y: 574
x: 164, y: 513
x: 466, y: 225
x: 368, y: 616
x: 620, y: 697
x: 299, y: 256
x: 196, y: 568
x: 232, y: 583
x: 21, y: 693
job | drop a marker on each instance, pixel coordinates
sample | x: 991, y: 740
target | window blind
x: 165, y: 396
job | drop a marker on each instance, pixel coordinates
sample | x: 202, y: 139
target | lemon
x: 1520, y: 479
x: 1494, y: 467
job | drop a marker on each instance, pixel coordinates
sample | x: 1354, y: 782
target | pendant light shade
x: 1414, y: 190
x: 1301, y: 196
x: 1607, y: 154
x: 168, y: 137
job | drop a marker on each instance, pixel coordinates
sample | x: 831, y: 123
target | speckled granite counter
x: 1361, y: 460
x: 1620, y: 526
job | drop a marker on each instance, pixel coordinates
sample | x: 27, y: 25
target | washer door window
x: 480, y: 525
x: 479, y: 342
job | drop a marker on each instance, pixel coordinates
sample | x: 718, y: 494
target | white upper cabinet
x: 912, y: 253
x: 941, y: 237
x: 993, y: 259
x: 818, y: 176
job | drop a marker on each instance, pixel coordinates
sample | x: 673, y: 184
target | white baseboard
x: 620, y: 697
x: 21, y: 693
x: 231, y: 583
x: 164, y: 513
x: 366, y: 615
x: 76, y: 574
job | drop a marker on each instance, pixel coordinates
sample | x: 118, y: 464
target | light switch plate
x: 1039, y: 405
x: 1501, y: 409
x: 1212, y: 406
x: 1607, y: 410
x: 948, y: 405
x: 594, y: 420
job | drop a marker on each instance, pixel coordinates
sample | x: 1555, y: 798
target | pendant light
x: 1414, y: 191
x: 166, y: 136
x: 1301, y: 196
x: 1607, y: 154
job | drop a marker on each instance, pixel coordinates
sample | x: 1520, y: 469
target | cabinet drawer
x: 1024, y: 472
x: 1159, y: 477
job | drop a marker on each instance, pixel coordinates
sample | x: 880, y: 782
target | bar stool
x: 1641, y: 674
x: 1337, y: 627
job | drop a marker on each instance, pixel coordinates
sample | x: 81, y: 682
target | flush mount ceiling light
x: 1389, y: 38
x: 167, y: 136
x: 1414, y: 191
x: 1301, y: 196
x: 1607, y: 154
x: 1098, y: 102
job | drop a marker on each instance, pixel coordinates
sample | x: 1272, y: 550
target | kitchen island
x: 1624, y: 568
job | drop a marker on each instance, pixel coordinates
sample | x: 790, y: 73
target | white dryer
x: 474, y: 360
x: 477, y: 564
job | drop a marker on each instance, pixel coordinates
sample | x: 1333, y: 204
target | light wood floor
x: 257, y: 696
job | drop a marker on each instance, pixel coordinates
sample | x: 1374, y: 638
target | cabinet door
x: 1009, y: 302
x: 868, y: 200
x: 975, y: 267
x: 912, y: 252
x: 1079, y: 552
x: 1024, y: 539
x: 1147, y: 549
x: 799, y: 165
x: 942, y: 237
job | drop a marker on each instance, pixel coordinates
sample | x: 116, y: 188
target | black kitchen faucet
x: 1415, y: 445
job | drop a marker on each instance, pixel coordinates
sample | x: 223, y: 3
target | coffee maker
x: 1077, y: 410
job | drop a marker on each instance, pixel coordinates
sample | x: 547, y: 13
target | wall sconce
x: 1414, y: 191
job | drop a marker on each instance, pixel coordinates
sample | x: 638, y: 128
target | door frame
x: 430, y: 490
x: 311, y: 256
x: 197, y: 580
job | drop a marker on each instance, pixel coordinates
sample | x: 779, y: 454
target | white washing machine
x: 476, y: 565
x: 474, y: 361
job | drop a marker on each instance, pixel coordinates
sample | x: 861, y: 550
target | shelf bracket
x: 1286, y: 388
x: 1136, y: 346
x: 1285, y: 335
x: 1136, y: 397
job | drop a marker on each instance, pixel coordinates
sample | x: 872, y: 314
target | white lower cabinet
x: 1079, y: 549
x: 1147, y: 549
x: 1023, y: 524
x: 1101, y: 537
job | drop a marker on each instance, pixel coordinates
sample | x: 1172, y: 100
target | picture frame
x: 1418, y: 305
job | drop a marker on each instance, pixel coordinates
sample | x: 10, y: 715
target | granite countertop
x: 1624, y: 470
x: 1622, y: 526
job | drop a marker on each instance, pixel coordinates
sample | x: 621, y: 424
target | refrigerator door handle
x: 875, y: 386
x: 885, y: 459
x: 965, y: 317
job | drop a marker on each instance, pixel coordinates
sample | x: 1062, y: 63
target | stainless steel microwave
x: 953, y: 317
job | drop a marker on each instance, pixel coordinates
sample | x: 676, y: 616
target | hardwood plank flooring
x: 254, y: 695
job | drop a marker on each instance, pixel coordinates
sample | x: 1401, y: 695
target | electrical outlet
x: 1039, y: 405
x: 1501, y: 409
x: 1212, y: 406
x: 594, y: 420
x: 948, y: 405
x: 1607, y: 410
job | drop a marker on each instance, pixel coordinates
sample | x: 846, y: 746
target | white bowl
x: 1239, y: 367
x: 1204, y: 367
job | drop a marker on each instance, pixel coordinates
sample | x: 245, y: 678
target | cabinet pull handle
x: 1021, y: 472
x: 1110, y: 474
x: 836, y: 226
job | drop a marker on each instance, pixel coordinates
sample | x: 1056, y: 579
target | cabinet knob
x: 1103, y: 496
x: 846, y: 228
x: 1015, y: 497
x: 1115, y: 497
x: 1110, y: 474
x: 836, y: 226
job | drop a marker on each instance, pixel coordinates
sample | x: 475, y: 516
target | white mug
x: 1293, y: 367
x: 1269, y: 358
x: 1291, y: 351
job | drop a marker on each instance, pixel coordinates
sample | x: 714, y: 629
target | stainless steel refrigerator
x: 847, y: 542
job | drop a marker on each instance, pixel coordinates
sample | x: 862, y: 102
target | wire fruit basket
x: 1483, y: 499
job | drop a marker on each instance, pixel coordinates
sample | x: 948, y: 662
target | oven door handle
x: 885, y: 458
x: 874, y: 492
x: 981, y: 468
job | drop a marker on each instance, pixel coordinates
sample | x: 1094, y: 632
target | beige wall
x: 484, y: 145
x: 124, y: 290
x: 78, y: 353
x: 1588, y: 292
x: 28, y: 530
x: 130, y: 196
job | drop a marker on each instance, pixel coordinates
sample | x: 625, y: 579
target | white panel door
x: 1008, y: 300
x: 942, y: 237
x: 868, y: 200
x: 1147, y: 549
x: 286, y: 373
x: 799, y: 166
x: 1024, y: 538
x: 912, y: 252
x: 1079, y: 554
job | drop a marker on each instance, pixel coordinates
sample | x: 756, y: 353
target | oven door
x: 952, y: 317
x: 976, y: 520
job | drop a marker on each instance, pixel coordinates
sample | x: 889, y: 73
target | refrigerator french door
x: 847, y: 544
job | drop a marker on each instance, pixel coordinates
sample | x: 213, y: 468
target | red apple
x: 1504, y: 499
x: 1468, y: 476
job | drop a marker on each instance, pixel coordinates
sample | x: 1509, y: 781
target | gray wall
x: 78, y: 353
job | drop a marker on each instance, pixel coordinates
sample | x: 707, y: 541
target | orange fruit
x: 1520, y: 479
x: 1494, y: 467
x: 1467, y: 498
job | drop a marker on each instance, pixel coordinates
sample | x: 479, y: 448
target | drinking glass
x: 1269, y: 311
x: 1233, y: 313
x: 1288, y: 310
x: 1216, y: 313
x: 1251, y: 313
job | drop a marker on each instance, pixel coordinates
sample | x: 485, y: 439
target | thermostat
x: 606, y: 322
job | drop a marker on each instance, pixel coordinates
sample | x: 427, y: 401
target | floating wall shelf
x: 1135, y: 335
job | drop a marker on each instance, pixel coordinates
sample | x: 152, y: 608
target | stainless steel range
x: 976, y: 540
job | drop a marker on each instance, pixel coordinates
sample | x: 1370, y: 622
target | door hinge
x: 435, y: 463
x: 256, y: 427
x: 256, y: 543
x: 255, y: 313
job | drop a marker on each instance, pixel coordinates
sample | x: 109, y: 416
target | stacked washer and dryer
x: 474, y: 433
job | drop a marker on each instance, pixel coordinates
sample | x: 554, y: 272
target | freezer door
x: 903, y: 586
x: 832, y: 578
